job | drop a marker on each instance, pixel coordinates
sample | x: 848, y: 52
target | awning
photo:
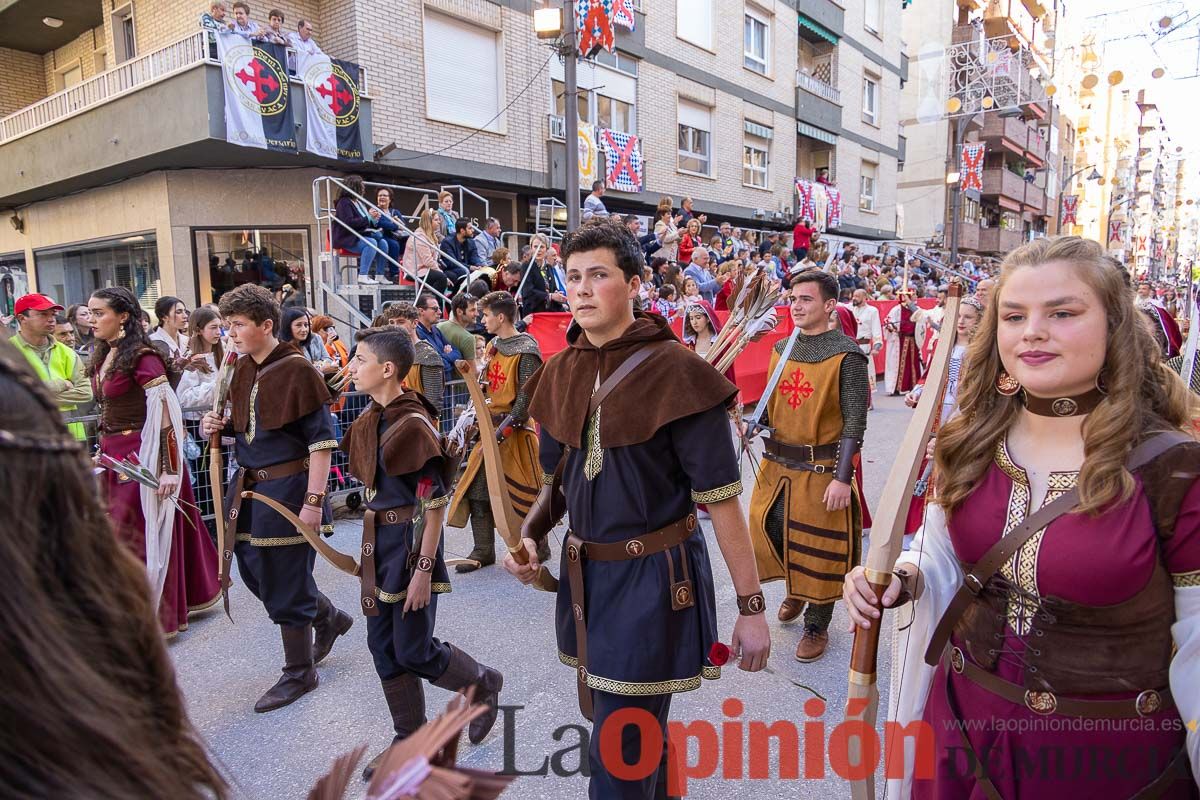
x: 813, y: 132
x: 818, y: 29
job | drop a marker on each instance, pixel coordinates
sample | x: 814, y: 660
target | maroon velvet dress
x: 191, y: 582
x: 910, y: 353
x: 1095, y: 561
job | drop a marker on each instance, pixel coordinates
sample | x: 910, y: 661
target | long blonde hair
x: 426, y: 224
x: 1143, y: 394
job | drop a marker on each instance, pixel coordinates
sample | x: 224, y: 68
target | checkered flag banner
x: 624, y: 160
x: 971, y: 171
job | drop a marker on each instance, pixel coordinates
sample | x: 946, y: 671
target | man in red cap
x: 59, y: 367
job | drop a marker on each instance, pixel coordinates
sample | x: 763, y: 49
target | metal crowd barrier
x: 341, y: 484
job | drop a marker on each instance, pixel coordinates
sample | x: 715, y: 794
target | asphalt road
x: 223, y: 667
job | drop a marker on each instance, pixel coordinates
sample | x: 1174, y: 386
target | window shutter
x: 458, y: 89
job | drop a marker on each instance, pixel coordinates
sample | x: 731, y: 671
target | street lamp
x: 551, y: 22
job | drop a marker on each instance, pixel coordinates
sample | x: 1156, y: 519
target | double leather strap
x: 800, y: 456
x: 659, y: 541
x: 1010, y: 543
x: 386, y: 516
x: 244, y: 479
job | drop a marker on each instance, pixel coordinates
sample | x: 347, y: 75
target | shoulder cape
x: 295, y: 389
x: 408, y: 443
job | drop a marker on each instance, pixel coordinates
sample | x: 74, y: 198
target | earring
x: 1006, y: 384
x: 1101, y: 385
x: 121, y: 334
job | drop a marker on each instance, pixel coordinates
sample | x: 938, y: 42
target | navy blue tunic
x: 637, y: 644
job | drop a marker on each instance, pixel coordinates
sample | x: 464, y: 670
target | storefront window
x: 14, y: 281
x: 276, y: 259
x: 70, y: 274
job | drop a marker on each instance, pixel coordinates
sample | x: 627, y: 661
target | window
x: 14, y: 281
x: 582, y: 101
x: 870, y: 112
x: 756, y: 42
x: 866, y: 186
x: 970, y: 211
x: 613, y: 113
x: 68, y: 76
x: 756, y: 159
x: 70, y: 274
x: 607, y: 96
x: 872, y: 10
x: 695, y: 138
x: 621, y: 62
x: 270, y: 258
x: 460, y: 90
x: 124, y: 35
x: 694, y: 22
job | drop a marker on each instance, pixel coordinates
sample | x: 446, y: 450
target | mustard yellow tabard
x: 820, y: 546
x: 518, y: 453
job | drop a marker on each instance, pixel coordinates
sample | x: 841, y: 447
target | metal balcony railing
x: 818, y: 87
x: 122, y: 79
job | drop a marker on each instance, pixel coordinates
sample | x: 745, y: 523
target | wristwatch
x: 751, y: 604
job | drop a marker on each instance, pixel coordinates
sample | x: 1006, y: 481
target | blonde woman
x: 668, y: 233
x: 1084, y: 640
x: 421, y: 253
x: 690, y: 240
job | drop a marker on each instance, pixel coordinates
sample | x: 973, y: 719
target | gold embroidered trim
x: 594, y: 461
x: 159, y: 381
x: 399, y: 597
x: 547, y: 479
x: 327, y: 528
x: 369, y: 494
x: 1186, y: 580
x: 438, y: 502
x: 720, y: 493
x: 325, y: 444
x: 1021, y: 569
x: 253, y: 417
x: 268, y: 541
x: 638, y: 689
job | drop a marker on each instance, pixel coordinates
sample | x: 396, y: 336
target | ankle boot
x: 463, y: 672
x: 405, y: 695
x: 299, y: 675
x: 330, y: 623
x: 483, y: 529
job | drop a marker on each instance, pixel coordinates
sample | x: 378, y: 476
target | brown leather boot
x: 789, y: 609
x: 299, y: 675
x: 483, y: 530
x: 330, y: 623
x: 463, y: 672
x: 405, y: 696
x: 812, y: 644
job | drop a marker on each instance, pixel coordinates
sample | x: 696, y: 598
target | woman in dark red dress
x: 1074, y: 670
x: 140, y: 420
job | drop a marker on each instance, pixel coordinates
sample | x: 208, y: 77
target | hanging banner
x: 594, y: 26
x: 1139, y: 245
x: 805, y: 207
x: 332, y: 103
x: 587, y: 156
x: 1070, y: 209
x: 623, y: 14
x: 624, y: 158
x: 1114, y: 230
x: 970, y: 175
x: 258, y: 111
x: 835, y: 206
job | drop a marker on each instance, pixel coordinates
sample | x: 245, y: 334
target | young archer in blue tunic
x: 636, y: 613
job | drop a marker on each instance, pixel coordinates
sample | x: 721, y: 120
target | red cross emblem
x: 624, y: 157
x: 340, y: 99
x: 496, y: 377
x: 796, y: 389
x: 260, y: 78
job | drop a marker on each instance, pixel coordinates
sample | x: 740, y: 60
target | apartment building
x: 1022, y: 131
x: 851, y: 66
x: 115, y: 169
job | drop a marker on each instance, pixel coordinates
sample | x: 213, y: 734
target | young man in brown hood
x: 635, y: 431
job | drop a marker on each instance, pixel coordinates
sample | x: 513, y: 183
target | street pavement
x: 223, y: 667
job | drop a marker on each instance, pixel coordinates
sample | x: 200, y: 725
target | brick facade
x: 24, y: 80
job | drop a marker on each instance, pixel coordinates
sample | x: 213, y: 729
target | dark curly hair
x: 605, y: 235
x: 134, y: 344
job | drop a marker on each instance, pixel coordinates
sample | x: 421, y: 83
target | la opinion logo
x: 258, y: 80
x: 333, y: 92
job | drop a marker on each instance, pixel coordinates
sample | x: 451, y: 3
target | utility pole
x: 571, y: 113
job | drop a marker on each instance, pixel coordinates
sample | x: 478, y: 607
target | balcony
x: 968, y: 236
x: 999, y: 240
x: 1035, y: 199
x: 1036, y: 148
x: 1002, y: 182
x: 818, y: 87
x: 162, y: 109
x: 818, y: 103
x: 1007, y: 132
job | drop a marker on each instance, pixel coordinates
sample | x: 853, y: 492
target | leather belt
x: 659, y: 541
x: 800, y: 456
x: 245, y: 478
x: 1148, y: 702
x: 386, y: 516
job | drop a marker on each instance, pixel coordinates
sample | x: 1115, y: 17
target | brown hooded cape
x: 409, y: 442
x: 671, y: 384
x: 295, y: 389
